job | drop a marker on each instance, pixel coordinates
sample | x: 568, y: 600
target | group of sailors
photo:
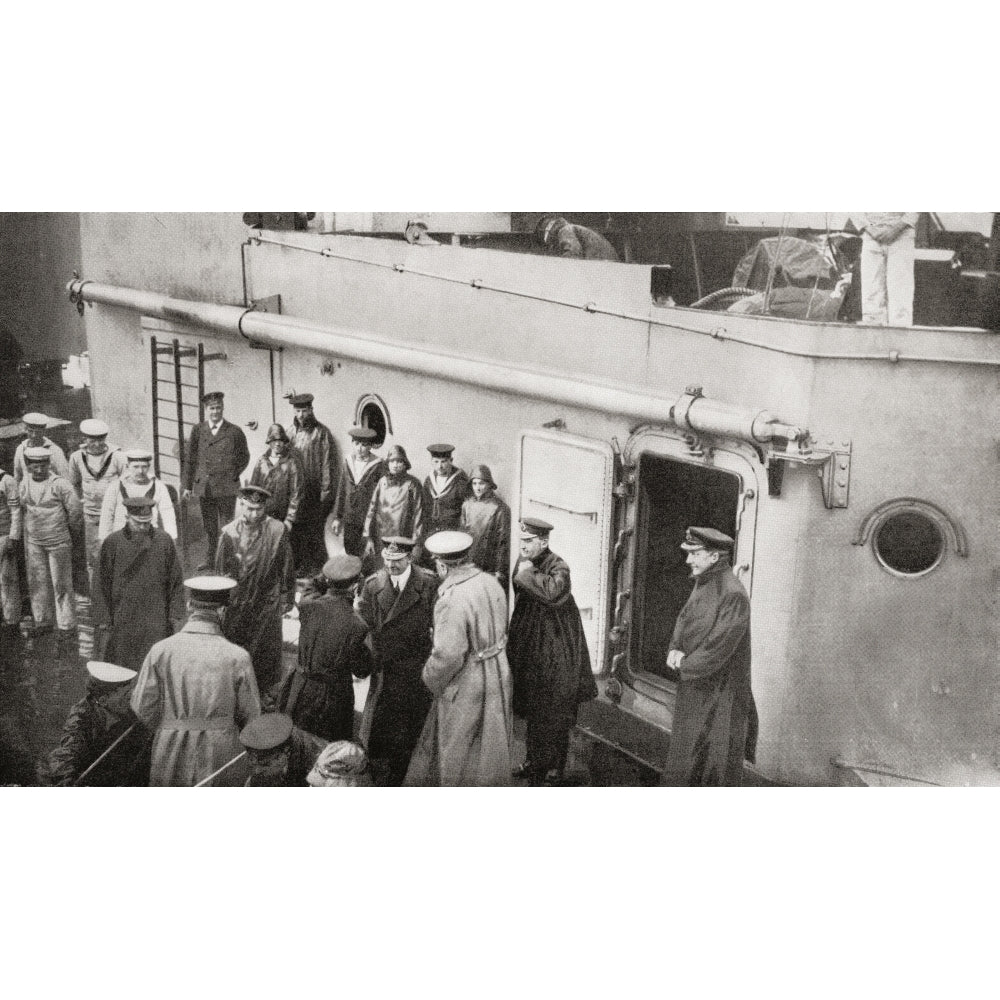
x: 186, y: 686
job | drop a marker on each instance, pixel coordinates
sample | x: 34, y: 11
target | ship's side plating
x: 884, y: 670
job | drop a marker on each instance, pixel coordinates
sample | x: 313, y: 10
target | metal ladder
x: 174, y: 414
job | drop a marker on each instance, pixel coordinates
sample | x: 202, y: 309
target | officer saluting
x: 217, y: 454
x: 197, y: 690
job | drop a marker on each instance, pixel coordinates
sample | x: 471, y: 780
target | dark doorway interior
x: 671, y: 496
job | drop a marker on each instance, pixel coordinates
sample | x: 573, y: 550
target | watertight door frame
x: 733, y: 457
x: 567, y: 480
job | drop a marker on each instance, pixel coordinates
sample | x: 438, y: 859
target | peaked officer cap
x: 210, y: 589
x: 707, y: 538
x: 449, y: 544
x: 266, y: 731
x: 342, y: 569
x: 111, y: 673
x: 396, y: 546
x: 534, y: 527
x: 255, y: 494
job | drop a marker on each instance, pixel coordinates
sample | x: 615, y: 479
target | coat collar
x: 200, y: 626
x: 394, y: 606
x: 457, y: 576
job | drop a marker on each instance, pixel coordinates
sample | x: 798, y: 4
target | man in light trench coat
x: 466, y: 738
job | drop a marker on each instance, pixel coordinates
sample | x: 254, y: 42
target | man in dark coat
x: 445, y: 490
x: 358, y: 478
x: 548, y: 654
x: 254, y: 551
x: 102, y: 722
x: 281, y: 755
x: 715, y: 719
x: 487, y: 518
x: 314, y: 444
x: 397, y: 603
x: 217, y: 454
x: 319, y: 694
x: 138, y: 593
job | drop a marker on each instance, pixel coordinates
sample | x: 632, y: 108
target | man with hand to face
x: 548, y: 654
x: 255, y: 551
x: 715, y: 718
x: 217, y: 455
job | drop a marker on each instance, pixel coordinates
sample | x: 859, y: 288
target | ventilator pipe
x: 278, y: 331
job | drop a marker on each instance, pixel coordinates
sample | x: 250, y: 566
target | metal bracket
x: 832, y: 461
x: 268, y: 304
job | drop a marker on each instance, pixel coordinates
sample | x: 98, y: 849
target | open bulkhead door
x: 567, y: 480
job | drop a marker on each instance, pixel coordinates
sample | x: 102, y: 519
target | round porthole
x: 908, y: 543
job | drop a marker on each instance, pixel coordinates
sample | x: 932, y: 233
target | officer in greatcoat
x: 101, y: 725
x: 93, y: 467
x: 358, y: 478
x: 715, y: 718
x: 466, y: 739
x: 196, y: 691
x: 548, y: 654
x: 217, y: 454
x: 315, y: 446
x: 319, y: 694
x: 397, y: 603
x: 254, y: 550
x: 138, y: 592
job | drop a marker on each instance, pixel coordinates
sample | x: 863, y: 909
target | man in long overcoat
x: 397, y: 603
x: 101, y: 723
x: 467, y: 737
x: 314, y: 444
x: 487, y: 518
x: 255, y: 551
x: 548, y: 654
x: 197, y: 690
x: 138, y: 592
x: 358, y: 478
x: 715, y: 718
x: 319, y: 694
x: 217, y: 454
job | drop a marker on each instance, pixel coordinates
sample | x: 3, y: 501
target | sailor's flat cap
x: 37, y: 454
x: 94, y: 428
x: 139, y: 455
x: 440, y: 450
x: 707, y: 538
x: 302, y: 399
x: 362, y: 433
x: 266, y: 731
x: 449, y: 543
x: 111, y: 673
x: 35, y: 420
x: 535, y: 527
x: 213, y: 397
